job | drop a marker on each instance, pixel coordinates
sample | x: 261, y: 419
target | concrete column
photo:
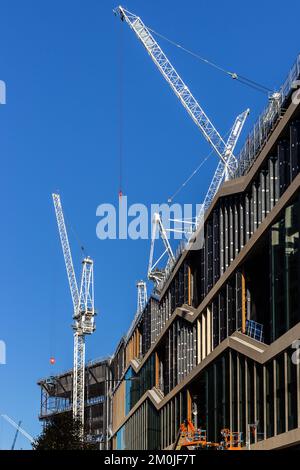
x: 238, y: 391
x: 286, y: 393
x: 230, y: 392
x: 265, y: 401
x: 199, y: 347
x: 298, y: 392
x: 274, y: 397
x: 255, y: 397
x: 246, y: 394
x: 203, y: 336
x: 208, y: 331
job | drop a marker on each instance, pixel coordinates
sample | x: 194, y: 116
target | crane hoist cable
x: 120, y: 78
x: 234, y: 75
x: 187, y: 180
x: 194, y: 172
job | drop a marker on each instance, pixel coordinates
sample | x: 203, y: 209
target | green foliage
x: 62, y: 432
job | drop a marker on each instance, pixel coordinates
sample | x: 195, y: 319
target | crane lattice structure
x: 141, y: 297
x: 154, y: 273
x: 181, y: 90
x: 19, y: 429
x: 221, y: 172
x: 83, y: 313
x: 228, y: 164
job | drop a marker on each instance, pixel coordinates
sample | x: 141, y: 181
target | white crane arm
x: 180, y: 88
x: 220, y: 172
x: 66, y: 250
x: 157, y: 224
x: 21, y: 430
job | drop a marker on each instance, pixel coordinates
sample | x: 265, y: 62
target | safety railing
x: 254, y: 330
x: 265, y: 123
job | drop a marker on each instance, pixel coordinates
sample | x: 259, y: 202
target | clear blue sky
x: 59, y: 130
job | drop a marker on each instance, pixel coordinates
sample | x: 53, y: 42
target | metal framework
x: 84, y: 311
x: 66, y: 250
x: 221, y: 172
x: 18, y: 428
x: 180, y: 89
x: 154, y: 273
x: 142, y: 296
x: 228, y: 164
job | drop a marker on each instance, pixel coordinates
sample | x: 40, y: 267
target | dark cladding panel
x: 222, y: 251
x: 231, y: 231
x: 238, y: 299
x: 284, y: 166
x: 236, y: 246
x: 294, y: 149
x: 241, y: 221
x: 226, y: 235
x: 254, y: 207
x: 247, y: 215
x: 216, y: 247
x: 222, y: 313
x: 209, y: 256
x: 216, y: 323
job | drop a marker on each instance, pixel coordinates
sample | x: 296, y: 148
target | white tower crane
x: 154, y: 273
x: 180, y: 89
x: 228, y: 164
x: 83, y: 314
x: 19, y: 429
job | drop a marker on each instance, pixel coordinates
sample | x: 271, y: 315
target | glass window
x: 285, y: 274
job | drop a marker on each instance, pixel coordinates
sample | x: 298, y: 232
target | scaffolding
x: 267, y: 121
x: 56, y: 397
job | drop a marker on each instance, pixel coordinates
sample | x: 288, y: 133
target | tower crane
x: 228, y: 163
x: 141, y: 303
x: 83, y: 311
x: 16, y: 435
x: 221, y: 172
x: 19, y: 429
x: 154, y: 273
x: 181, y: 90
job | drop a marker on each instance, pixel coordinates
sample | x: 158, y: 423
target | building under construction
x: 56, y: 398
x: 215, y: 346
x: 211, y: 355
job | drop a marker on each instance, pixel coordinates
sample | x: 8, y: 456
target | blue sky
x: 60, y: 130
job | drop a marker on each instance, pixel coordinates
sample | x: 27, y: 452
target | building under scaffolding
x: 56, y: 397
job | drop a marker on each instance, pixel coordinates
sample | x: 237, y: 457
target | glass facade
x: 284, y: 272
x: 141, y: 431
x: 138, y: 384
x: 260, y: 295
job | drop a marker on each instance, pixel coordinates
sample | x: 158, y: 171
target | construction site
x: 210, y: 360
x: 207, y: 361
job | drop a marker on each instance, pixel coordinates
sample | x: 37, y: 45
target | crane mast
x: 180, y: 89
x: 142, y: 297
x: 228, y: 164
x: 84, y: 311
x: 155, y: 274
